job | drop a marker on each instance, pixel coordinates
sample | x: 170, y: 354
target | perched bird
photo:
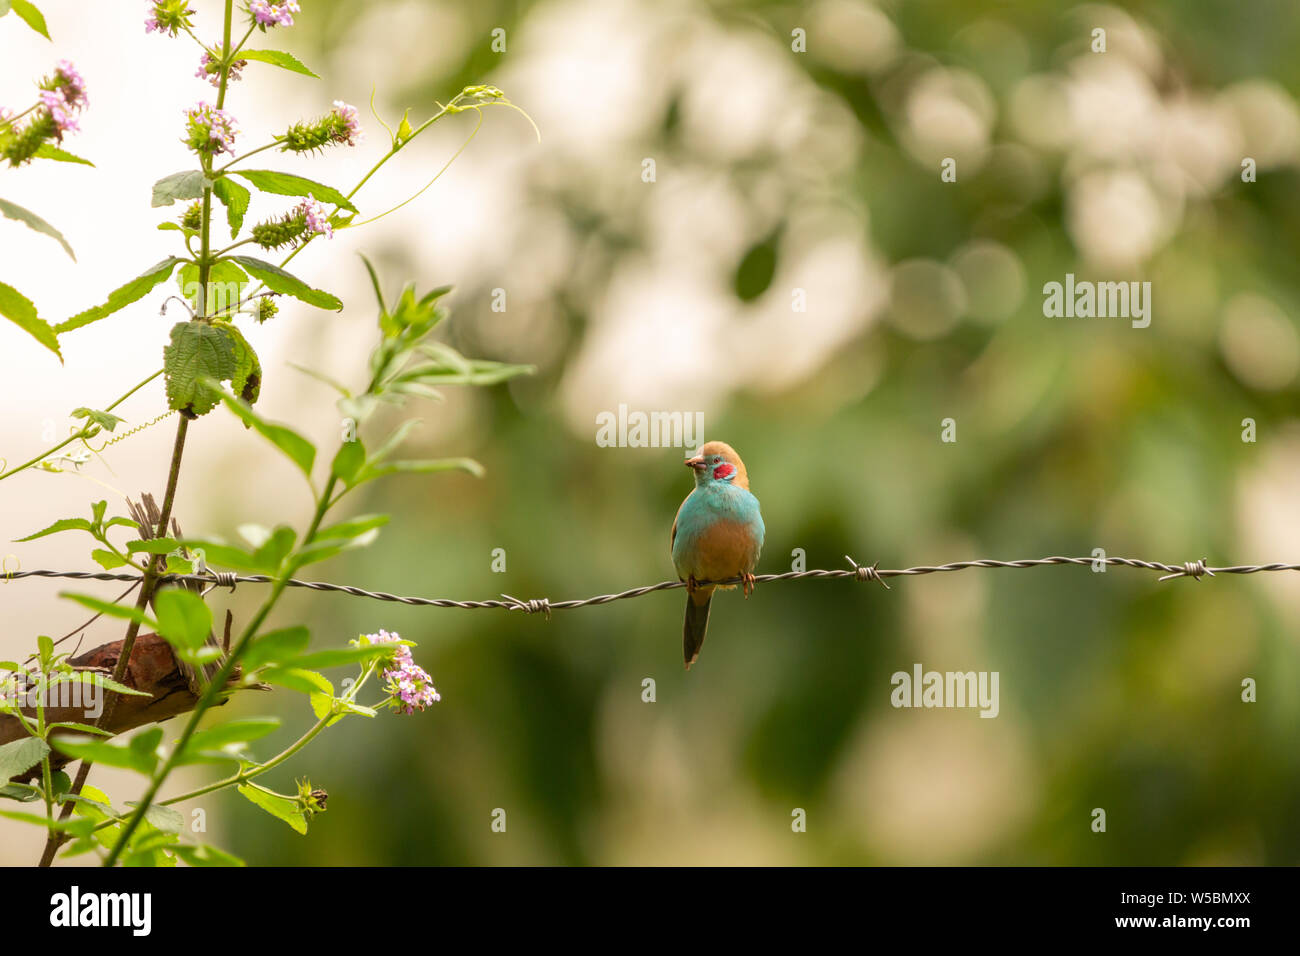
x: 717, y: 535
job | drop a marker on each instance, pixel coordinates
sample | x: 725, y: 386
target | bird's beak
x: 697, y: 463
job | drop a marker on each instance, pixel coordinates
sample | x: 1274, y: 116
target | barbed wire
x: 858, y: 572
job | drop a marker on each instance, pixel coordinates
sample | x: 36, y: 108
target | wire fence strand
x: 856, y: 572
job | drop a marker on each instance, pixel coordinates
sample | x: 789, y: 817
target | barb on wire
x: 857, y: 572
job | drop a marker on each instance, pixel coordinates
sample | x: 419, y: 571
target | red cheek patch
x: 724, y: 471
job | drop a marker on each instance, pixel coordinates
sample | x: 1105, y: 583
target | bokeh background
x: 776, y: 170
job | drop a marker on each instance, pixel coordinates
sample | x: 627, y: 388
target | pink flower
x: 208, y: 70
x: 209, y: 130
x: 168, y: 16
x: 318, y: 223
x: 410, y: 686
x: 350, y: 132
x: 268, y: 14
x: 71, y: 83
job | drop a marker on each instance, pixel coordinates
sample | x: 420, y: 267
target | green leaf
x: 275, y: 647
x: 285, y: 61
x: 352, y: 528
x: 235, y: 198
x: 78, y: 825
x: 183, y: 619
x: 107, y: 559
x: 153, y: 546
x: 298, y: 449
x: 103, y: 419
x: 31, y: 16
x: 33, y: 221
x: 183, y: 185
x: 343, y: 656
x: 287, y: 184
x: 21, y: 755
x: 277, y: 280
x: 247, y: 380
x: 272, y: 551
x: 348, y: 461
x: 82, y: 728
x: 423, y: 467
x: 239, y: 731
x: 121, y: 297
x: 225, y: 555
x: 112, y: 610
x: 282, y: 808
x: 19, y: 309
x: 138, y: 757
x: 205, y: 855
x: 304, y: 681
x: 198, y: 353
x: 98, y: 680
x: 164, y: 818
x: 46, y: 151
x: 63, y: 524
x: 226, y: 285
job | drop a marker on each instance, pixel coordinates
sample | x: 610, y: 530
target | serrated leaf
x: 19, y: 309
x: 153, y: 545
x: 286, y: 61
x: 282, y: 808
x: 99, y: 680
x: 235, y: 198
x: 31, y: 16
x: 247, y: 380
x: 183, y: 185
x: 277, y: 280
x: 196, y: 354
x: 21, y: 755
x: 287, y: 184
x: 63, y: 524
x: 343, y: 656
x: 123, y: 296
x: 226, y: 286
x: 46, y: 151
x: 32, y: 221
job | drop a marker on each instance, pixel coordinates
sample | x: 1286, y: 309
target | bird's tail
x: 697, y: 621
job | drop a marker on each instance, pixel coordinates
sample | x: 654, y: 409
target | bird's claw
x: 748, y: 581
x: 691, y: 587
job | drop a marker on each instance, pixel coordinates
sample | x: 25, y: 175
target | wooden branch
x: 153, y: 668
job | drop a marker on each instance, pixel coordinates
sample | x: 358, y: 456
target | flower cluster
x: 339, y: 125
x: 62, y: 96
x: 267, y: 14
x: 168, y: 16
x: 209, y: 130
x: 409, y: 684
x: 210, y: 69
x: 305, y: 220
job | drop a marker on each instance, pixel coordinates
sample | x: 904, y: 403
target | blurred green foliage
x: 1116, y: 692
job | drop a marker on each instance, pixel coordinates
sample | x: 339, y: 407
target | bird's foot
x: 691, y: 587
x: 748, y: 581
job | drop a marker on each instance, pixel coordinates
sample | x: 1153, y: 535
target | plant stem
x: 80, y: 434
x: 217, y: 685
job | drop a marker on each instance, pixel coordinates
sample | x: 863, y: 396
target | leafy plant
x: 208, y: 362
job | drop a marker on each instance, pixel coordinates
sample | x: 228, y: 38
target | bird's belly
x: 722, y: 550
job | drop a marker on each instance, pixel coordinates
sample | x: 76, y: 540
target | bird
x: 717, y: 535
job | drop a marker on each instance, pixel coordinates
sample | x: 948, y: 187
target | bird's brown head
x: 715, y: 459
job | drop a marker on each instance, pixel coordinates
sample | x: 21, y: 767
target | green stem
x: 216, y: 686
x: 80, y: 434
x: 251, y: 152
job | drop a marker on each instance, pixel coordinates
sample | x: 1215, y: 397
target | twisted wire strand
x: 1190, y: 569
